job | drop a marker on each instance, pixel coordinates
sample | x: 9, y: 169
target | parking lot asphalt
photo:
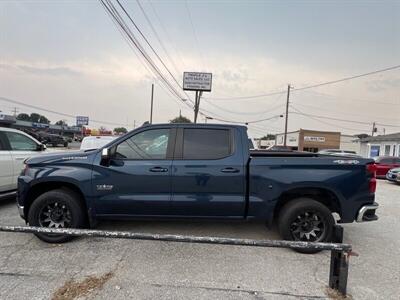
x: 96, y: 268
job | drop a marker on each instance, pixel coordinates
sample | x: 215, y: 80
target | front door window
x: 150, y: 144
x: 19, y: 142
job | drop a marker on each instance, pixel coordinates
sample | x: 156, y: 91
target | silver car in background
x: 339, y: 152
x: 393, y: 174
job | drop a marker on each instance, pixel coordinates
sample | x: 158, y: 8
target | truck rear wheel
x: 59, y: 208
x: 306, y: 220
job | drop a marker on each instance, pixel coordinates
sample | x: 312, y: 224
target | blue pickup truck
x: 196, y: 171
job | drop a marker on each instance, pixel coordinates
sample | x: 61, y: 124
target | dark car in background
x: 53, y: 139
x: 384, y: 164
x: 49, y: 139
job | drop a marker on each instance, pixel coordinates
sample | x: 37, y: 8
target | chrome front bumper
x: 367, y: 213
x: 21, y: 211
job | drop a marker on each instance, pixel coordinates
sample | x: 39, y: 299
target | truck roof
x: 197, y: 125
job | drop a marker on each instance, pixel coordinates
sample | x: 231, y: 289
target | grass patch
x: 74, y: 289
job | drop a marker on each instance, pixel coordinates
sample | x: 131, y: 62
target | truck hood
x: 62, y: 156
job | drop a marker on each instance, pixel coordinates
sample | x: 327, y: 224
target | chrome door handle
x: 230, y: 170
x: 158, y: 169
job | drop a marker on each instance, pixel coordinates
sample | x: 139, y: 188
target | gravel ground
x: 98, y: 268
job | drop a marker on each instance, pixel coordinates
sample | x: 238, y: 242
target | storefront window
x: 387, y: 150
x: 374, y: 151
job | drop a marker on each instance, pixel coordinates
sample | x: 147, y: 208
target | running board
x: 8, y: 195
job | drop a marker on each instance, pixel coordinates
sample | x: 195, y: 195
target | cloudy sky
x: 69, y: 57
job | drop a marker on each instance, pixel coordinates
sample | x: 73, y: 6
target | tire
x: 66, y: 144
x: 65, y: 209
x: 304, y: 219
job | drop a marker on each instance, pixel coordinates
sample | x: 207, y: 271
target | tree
x: 120, y: 130
x: 180, y: 119
x: 61, y: 123
x: 23, y: 117
x: 268, y: 137
x: 44, y: 120
x: 362, y: 135
x: 34, y: 117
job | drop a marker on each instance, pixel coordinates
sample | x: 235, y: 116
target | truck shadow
x: 233, y: 229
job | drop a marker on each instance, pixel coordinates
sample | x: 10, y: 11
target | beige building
x: 314, y: 140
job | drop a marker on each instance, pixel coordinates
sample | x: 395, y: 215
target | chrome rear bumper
x: 367, y: 213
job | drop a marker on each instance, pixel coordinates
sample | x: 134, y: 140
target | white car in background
x: 15, y: 147
x: 96, y: 142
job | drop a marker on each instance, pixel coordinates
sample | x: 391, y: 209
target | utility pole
x: 15, y: 110
x: 197, y: 105
x: 151, y: 109
x: 287, y: 114
x: 373, y: 129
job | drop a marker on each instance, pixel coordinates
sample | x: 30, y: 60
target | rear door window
x: 201, y: 143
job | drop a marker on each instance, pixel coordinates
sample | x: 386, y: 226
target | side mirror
x: 41, y: 147
x: 105, y: 153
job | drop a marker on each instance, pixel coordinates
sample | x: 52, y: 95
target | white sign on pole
x: 81, y: 120
x: 195, y: 81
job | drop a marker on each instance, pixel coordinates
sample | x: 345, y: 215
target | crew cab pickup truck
x: 196, y: 171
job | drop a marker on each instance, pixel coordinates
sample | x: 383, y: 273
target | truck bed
x: 271, y: 153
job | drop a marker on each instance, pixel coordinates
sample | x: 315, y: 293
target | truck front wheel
x: 306, y: 220
x: 59, y: 208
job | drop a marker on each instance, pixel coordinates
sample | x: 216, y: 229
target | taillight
x: 372, y: 185
x: 371, y: 169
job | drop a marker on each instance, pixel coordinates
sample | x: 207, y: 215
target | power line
x: 242, y: 122
x: 310, y: 86
x: 317, y: 118
x: 325, y: 96
x: 147, y: 41
x: 342, y: 120
x: 348, y: 78
x: 113, y: 13
x: 194, y: 33
x: 157, y: 36
x: 55, y: 112
x: 330, y: 110
x: 167, y: 35
x: 247, y: 113
x: 141, y: 59
x: 247, y: 97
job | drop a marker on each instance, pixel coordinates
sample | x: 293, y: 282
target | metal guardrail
x: 339, y: 252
